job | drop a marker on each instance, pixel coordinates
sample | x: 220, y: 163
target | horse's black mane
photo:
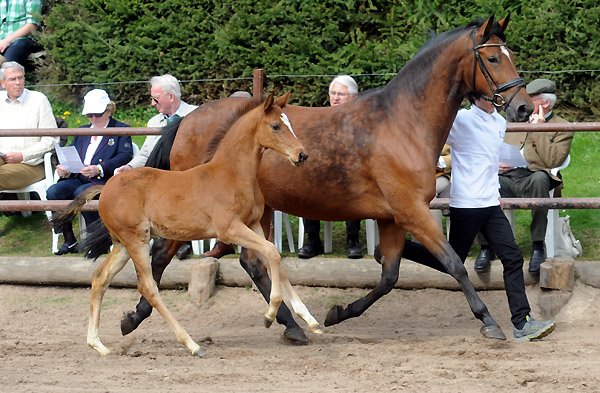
x: 222, y: 131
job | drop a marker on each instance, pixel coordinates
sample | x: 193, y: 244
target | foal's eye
x: 276, y: 127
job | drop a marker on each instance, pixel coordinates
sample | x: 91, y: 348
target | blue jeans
x: 19, y: 50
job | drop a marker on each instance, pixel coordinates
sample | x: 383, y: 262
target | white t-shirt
x: 475, y: 139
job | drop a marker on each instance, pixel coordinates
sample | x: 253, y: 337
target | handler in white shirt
x: 475, y: 140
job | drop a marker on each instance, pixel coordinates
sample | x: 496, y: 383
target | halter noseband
x: 497, y: 98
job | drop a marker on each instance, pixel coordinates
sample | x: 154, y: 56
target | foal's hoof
x: 199, y: 352
x: 493, y: 331
x: 334, y: 316
x: 268, y: 323
x: 295, y: 336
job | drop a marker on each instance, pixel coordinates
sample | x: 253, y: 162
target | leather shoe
x: 67, y: 248
x: 538, y: 256
x: 354, y: 251
x: 484, y: 260
x: 219, y: 250
x: 311, y: 249
x: 184, y: 251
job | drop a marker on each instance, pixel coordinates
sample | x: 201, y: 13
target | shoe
x: 354, y: 251
x: 533, y: 330
x: 484, y: 260
x: 67, y: 248
x: 538, y: 256
x: 311, y: 249
x: 220, y: 249
x: 184, y: 251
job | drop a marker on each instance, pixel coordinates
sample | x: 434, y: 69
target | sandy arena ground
x: 410, y: 341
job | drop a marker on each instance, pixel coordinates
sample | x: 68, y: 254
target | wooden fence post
x: 257, y: 88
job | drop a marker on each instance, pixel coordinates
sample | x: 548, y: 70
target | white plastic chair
x: 552, y: 214
x: 39, y: 187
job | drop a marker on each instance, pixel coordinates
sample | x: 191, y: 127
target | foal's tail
x: 66, y: 215
x: 160, y: 156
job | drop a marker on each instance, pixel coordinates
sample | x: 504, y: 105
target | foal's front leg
x: 101, y: 279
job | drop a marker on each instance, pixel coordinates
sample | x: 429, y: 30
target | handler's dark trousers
x: 494, y: 226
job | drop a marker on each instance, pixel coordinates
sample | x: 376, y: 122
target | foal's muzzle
x: 302, y: 157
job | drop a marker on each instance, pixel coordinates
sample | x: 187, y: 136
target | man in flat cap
x: 531, y: 178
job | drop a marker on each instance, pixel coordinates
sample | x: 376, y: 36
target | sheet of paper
x: 511, y: 155
x: 69, y: 158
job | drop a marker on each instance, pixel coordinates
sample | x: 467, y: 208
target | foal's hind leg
x: 101, y: 279
x: 149, y: 289
x: 163, y: 251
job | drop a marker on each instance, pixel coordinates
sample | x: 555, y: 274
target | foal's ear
x: 281, y: 101
x: 268, y: 102
x: 504, y: 22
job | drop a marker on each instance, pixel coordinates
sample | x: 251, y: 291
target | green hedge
x: 93, y: 41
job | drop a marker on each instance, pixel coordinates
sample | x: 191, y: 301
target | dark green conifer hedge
x: 92, y: 41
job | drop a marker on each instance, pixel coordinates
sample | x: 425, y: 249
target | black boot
x: 538, y: 256
x: 484, y: 259
x: 70, y: 244
x: 353, y: 251
x: 311, y: 249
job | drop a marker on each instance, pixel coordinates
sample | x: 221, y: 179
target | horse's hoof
x: 199, y: 352
x: 493, y: 331
x: 333, y: 316
x: 268, y: 323
x: 316, y: 329
x: 295, y: 336
x: 128, y: 324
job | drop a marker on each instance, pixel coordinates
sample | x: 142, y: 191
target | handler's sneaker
x: 534, y: 330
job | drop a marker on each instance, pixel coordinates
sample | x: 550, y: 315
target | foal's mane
x: 228, y: 123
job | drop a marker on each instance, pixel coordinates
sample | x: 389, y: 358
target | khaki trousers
x: 17, y: 176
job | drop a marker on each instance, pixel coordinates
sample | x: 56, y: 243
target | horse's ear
x: 281, y: 101
x: 488, y: 26
x: 504, y: 22
x: 268, y: 102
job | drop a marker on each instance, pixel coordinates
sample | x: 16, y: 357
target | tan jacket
x: 543, y: 150
x: 445, y: 154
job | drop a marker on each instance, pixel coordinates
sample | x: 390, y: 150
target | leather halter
x: 497, y: 98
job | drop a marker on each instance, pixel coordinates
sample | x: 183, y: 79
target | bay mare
x: 218, y: 199
x: 373, y: 157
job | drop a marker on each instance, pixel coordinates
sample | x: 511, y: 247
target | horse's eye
x: 493, y: 59
x: 276, y: 127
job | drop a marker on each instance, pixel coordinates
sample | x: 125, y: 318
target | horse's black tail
x: 97, y: 240
x: 160, y: 156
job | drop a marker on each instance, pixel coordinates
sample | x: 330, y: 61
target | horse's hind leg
x: 149, y: 289
x: 391, y: 242
x: 163, y: 251
x: 101, y: 279
x: 258, y: 273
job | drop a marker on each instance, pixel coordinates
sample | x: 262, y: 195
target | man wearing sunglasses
x: 165, y: 96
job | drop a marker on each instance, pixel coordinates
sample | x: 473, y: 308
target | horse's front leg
x: 430, y: 235
x: 259, y: 275
x: 101, y: 279
x: 391, y: 243
x: 163, y: 251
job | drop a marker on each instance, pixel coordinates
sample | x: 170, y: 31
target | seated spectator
x: 165, y: 96
x: 100, y: 154
x: 18, y: 19
x: 442, y: 175
x: 22, y: 158
x: 541, y: 151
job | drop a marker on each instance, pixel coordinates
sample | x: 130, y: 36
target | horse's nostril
x: 302, y: 157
